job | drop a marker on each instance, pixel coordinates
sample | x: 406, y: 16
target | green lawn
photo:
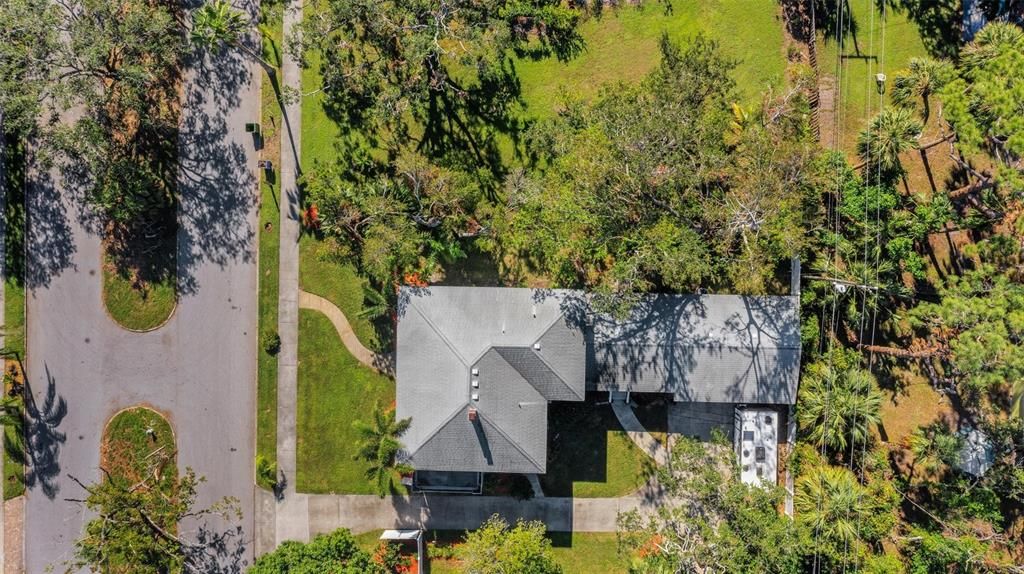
x: 576, y: 552
x: 269, y: 232
x: 14, y: 303
x: 127, y: 448
x: 589, y: 455
x: 621, y: 45
x: 338, y: 283
x: 864, y: 55
x: 138, y: 306
x: 334, y: 390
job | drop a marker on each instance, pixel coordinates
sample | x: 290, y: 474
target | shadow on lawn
x: 578, y: 448
x: 939, y: 22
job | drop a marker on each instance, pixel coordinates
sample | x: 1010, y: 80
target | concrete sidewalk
x: 638, y: 434
x: 362, y: 513
x: 290, y: 509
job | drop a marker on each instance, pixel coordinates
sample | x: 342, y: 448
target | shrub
x: 271, y: 341
x: 266, y: 472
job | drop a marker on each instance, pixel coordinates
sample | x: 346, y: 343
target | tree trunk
x: 901, y: 353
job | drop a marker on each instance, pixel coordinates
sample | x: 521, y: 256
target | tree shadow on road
x: 49, y: 232
x: 217, y: 187
x: 218, y: 551
x: 42, y: 439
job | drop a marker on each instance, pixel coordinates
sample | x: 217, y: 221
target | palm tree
x: 217, y: 24
x: 837, y: 408
x: 890, y: 133
x: 990, y: 41
x: 922, y: 78
x: 379, y: 446
x: 832, y: 502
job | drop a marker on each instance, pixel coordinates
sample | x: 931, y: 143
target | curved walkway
x: 377, y: 362
x: 638, y: 434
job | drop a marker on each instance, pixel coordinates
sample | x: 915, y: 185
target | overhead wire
x: 834, y: 213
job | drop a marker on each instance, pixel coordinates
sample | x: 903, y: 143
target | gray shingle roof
x: 444, y: 333
x: 529, y: 347
x: 703, y: 348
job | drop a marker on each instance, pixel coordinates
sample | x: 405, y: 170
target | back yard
x: 618, y: 46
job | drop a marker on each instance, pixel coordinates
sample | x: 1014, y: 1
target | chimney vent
x: 472, y: 414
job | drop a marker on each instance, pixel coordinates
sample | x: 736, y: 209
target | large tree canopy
x: 28, y: 39
x: 977, y: 330
x: 98, y: 82
x: 435, y: 76
x: 336, y: 552
x: 497, y: 548
x: 643, y: 191
x: 985, y: 104
x: 395, y: 226
x: 711, y: 522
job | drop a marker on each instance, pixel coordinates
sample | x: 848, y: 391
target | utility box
x: 756, y: 439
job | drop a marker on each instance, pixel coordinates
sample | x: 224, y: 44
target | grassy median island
x: 333, y: 391
x: 133, y: 439
x: 139, y: 279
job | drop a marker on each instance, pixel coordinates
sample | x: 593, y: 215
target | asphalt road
x: 199, y: 368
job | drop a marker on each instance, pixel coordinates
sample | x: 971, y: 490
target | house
x: 476, y: 367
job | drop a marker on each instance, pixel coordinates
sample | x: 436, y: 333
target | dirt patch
x: 827, y: 111
x: 13, y: 542
x: 916, y: 404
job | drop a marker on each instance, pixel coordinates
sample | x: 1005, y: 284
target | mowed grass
x: 333, y: 391
x: 138, y: 307
x: 589, y: 455
x: 576, y: 552
x: 269, y: 241
x: 880, y: 44
x: 14, y: 302
x: 620, y: 45
x: 337, y: 282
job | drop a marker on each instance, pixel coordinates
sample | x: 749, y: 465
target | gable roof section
x: 466, y: 445
x: 532, y: 368
x: 707, y: 348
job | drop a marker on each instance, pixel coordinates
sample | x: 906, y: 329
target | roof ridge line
x: 550, y: 326
x: 442, y: 336
x: 481, y: 414
x: 545, y: 363
x: 444, y: 423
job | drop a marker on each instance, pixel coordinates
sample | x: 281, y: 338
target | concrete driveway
x: 199, y: 368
